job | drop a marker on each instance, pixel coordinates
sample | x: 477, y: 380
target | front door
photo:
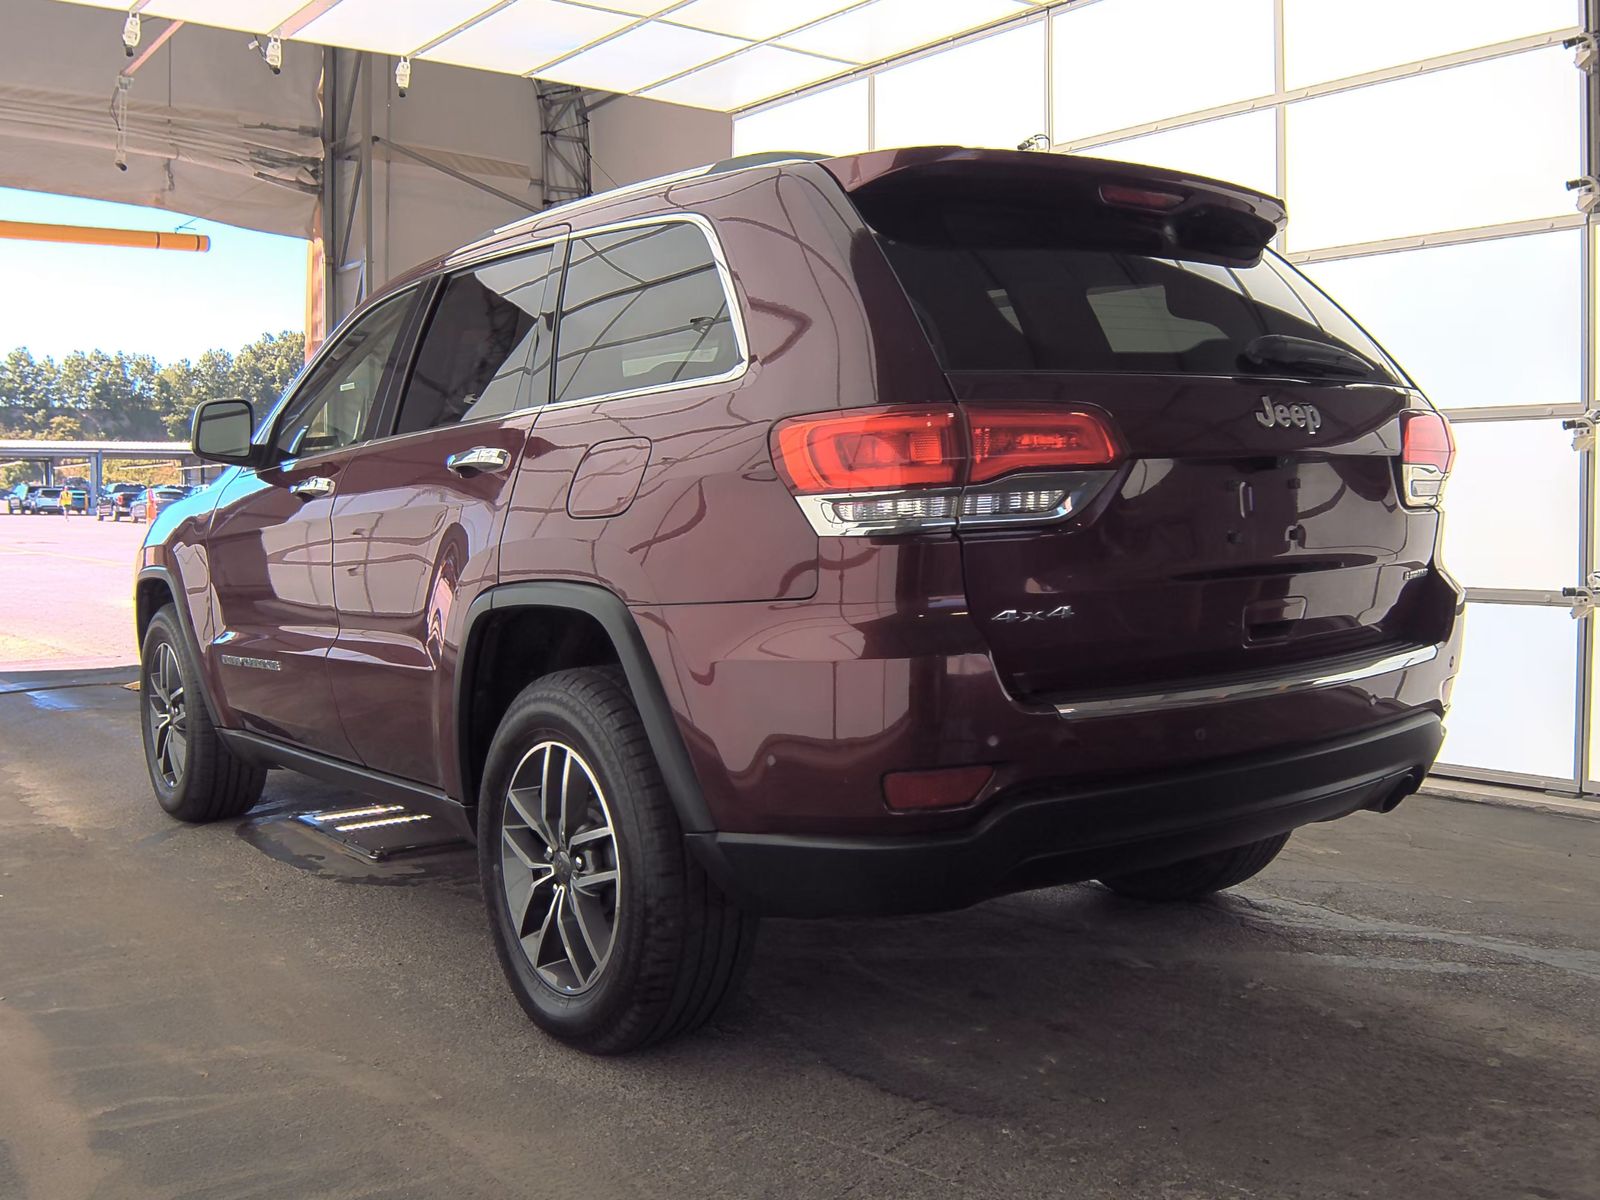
x: 417, y: 519
x: 271, y: 541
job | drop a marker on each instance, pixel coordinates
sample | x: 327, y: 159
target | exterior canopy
x: 716, y: 54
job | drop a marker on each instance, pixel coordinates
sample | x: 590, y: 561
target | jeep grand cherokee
x: 812, y: 536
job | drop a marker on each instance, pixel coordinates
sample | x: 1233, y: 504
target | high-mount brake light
x: 917, y: 470
x: 1151, y: 200
x: 1427, y: 452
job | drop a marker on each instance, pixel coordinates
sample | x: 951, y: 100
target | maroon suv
x: 818, y: 536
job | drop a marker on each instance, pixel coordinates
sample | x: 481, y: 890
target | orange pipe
x: 91, y: 235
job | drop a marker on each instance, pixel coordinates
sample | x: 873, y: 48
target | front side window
x: 332, y: 407
x: 486, y: 351
x: 642, y: 308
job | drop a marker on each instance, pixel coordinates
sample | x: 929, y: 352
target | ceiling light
x: 130, y: 34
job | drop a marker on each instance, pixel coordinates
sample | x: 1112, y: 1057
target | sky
x: 57, y: 298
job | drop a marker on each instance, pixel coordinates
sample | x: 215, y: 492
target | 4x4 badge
x: 1305, y: 416
x: 1058, y: 613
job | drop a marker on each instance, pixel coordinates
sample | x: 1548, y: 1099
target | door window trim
x: 405, y: 340
x: 435, y: 286
x: 730, y: 293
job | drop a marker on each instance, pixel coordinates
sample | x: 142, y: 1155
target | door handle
x: 310, y: 489
x: 479, y: 458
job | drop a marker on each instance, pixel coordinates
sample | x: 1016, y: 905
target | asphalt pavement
x: 1401, y: 1006
x: 66, y: 591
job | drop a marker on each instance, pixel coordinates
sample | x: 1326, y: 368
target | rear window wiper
x: 1280, y: 351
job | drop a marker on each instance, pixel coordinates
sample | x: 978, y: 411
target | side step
x: 379, y: 832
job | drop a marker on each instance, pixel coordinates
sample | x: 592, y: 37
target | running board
x: 410, y: 798
x: 379, y: 832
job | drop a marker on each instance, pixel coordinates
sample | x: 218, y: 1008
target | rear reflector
x: 1427, y: 452
x: 952, y: 787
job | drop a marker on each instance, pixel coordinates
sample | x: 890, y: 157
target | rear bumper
x: 1049, y: 835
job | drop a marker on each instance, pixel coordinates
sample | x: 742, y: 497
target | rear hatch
x: 1254, y: 520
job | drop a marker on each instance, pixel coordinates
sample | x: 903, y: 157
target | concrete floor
x: 1402, y: 1006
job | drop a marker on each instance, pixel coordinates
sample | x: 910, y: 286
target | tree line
x: 132, y: 397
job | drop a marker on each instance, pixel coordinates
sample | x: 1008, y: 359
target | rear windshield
x: 1019, y: 295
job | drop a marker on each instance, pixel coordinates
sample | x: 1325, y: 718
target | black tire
x: 208, y: 782
x: 1196, y: 877
x: 678, y: 948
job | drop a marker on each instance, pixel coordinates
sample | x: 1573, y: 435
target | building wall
x: 633, y: 139
x: 1424, y: 150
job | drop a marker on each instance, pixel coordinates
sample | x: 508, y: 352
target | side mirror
x: 221, y: 432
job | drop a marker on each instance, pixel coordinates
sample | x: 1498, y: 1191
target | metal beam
x: 407, y: 151
x: 566, y: 162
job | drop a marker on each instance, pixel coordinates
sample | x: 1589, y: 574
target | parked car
x: 16, y: 495
x: 116, y: 500
x: 149, y: 501
x: 865, y: 535
x: 42, y: 500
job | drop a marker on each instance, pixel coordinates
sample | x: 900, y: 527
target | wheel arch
x: 580, y: 611
x: 154, y: 587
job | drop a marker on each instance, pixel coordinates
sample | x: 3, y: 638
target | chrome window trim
x: 269, y: 427
x: 1279, y: 683
x: 735, y: 310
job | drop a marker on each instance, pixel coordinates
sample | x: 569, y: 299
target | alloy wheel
x: 169, y: 715
x: 560, y: 869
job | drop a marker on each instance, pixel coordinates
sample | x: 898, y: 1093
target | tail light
x: 1427, y: 451
x: 916, y: 470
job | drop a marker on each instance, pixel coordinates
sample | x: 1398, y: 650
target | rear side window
x: 642, y: 308
x: 486, y: 351
x: 1016, y: 287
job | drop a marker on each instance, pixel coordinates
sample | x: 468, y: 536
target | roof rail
x: 739, y: 162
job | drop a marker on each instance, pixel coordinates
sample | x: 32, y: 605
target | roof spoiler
x: 1189, y: 212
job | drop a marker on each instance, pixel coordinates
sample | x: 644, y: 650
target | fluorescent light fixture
x: 257, y: 16
x: 885, y: 28
x: 753, y: 75
x: 755, y: 19
x: 389, y: 26
x: 640, y: 57
x: 527, y: 35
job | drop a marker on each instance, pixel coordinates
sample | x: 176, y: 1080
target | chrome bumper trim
x: 1254, y: 687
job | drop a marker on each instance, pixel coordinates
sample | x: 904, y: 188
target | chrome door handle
x: 310, y: 489
x: 479, y: 458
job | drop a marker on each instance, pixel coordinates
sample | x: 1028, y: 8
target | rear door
x: 417, y: 521
x: 1255, y: 520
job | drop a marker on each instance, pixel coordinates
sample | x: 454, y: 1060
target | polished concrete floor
x: 1404, y: 1006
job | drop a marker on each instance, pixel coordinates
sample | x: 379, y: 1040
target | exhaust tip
x: 1388, y: 801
